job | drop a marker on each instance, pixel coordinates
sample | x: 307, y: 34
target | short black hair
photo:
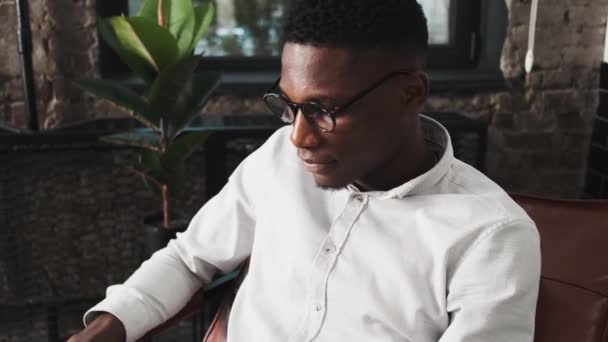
x: 358, y: 24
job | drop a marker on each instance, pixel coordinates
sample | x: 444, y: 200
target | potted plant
x: 158, y: 45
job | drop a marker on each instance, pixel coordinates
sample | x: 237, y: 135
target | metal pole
x: 27, y: 70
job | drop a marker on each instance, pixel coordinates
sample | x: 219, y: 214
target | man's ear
x: 416, y: 89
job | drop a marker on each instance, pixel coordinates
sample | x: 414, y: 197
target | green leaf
x: 158, y: 41
x: 196, y: 96
x: 178, y: 17
x: 129, y: 41
x: 149, y: 9
x: 204, y: 16
x: 150, y: 162
x: 148, y: 141
x: 165, y: 93
x: 124, y: 97
x: 182, y: 148
x: 139, y: 65
x: 144, y: 39
x: 184, y: 32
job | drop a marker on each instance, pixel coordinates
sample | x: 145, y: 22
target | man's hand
x: 105, y: 328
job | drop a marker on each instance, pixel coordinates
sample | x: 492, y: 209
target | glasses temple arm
x: 368, y: 90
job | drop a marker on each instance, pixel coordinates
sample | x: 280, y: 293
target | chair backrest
x: 573, y: 298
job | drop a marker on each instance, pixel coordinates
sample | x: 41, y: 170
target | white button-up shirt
x: 445, y: 257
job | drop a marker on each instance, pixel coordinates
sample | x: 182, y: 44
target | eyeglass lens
x: 314, y: 113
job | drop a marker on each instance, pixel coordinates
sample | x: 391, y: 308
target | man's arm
x: 493, y: 290
x: 219, y: 237
x: 105, y: 328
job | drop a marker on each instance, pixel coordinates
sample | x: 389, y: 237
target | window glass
x: 438, y: 17
x: 252, y: 27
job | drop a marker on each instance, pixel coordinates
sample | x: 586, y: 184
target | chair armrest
x: 192, y: 308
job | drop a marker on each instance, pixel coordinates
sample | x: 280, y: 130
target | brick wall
x: 540, y: 124
x: 11, y: 99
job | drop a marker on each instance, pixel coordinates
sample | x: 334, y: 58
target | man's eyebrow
x: 321, y: 98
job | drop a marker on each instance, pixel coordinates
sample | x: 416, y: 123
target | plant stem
x: 148, y: 177
x: 161, y: 19
x: 166, y: 218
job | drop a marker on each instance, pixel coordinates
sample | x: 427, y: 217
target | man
x: 360, y: 223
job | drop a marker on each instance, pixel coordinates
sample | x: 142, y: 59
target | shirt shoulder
x: 276, y: 147
x: 481, y: 213
x: 482, y: 195
x: 276, y: 150
x: 272, y: 164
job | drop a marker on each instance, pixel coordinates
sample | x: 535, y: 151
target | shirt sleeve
x: 219, y: 237
x: 493, y: 291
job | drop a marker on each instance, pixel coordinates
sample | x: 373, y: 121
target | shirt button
x: 329, y: 248
x: 358, y: 198
x: 318, y: 307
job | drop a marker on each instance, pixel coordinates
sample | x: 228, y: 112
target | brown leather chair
x: 573, y: 298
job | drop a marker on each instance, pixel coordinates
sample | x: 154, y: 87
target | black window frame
x: 470, y: 61
x: 474, y: 57
x: 464, y: 30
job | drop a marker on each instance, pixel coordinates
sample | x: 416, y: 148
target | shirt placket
x: 324, y: 263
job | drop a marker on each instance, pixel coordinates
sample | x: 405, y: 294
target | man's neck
x: 412, y: 161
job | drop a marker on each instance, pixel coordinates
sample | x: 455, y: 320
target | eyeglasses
x: 315, y: 113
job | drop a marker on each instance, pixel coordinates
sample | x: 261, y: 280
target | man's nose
x: 303, y: 135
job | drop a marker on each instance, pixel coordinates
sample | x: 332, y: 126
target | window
x: 249, y: 28
x: 241, y: 28
x: 243, y: 41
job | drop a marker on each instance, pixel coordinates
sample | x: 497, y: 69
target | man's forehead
x: 306, y: 57
x: 327, y: 69
x: 305, y: 80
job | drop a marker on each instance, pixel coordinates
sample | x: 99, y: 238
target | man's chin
x: 328, y: 183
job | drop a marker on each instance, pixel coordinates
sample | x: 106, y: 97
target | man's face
x: 369, y: 134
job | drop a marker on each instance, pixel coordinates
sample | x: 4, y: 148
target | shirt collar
x: 439, y: 140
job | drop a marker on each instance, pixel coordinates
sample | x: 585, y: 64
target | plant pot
x: 156, y: 237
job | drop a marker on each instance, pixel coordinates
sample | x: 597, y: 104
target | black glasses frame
x: 331, y: 113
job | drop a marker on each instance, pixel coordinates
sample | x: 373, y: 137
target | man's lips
x: 318, y: 166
